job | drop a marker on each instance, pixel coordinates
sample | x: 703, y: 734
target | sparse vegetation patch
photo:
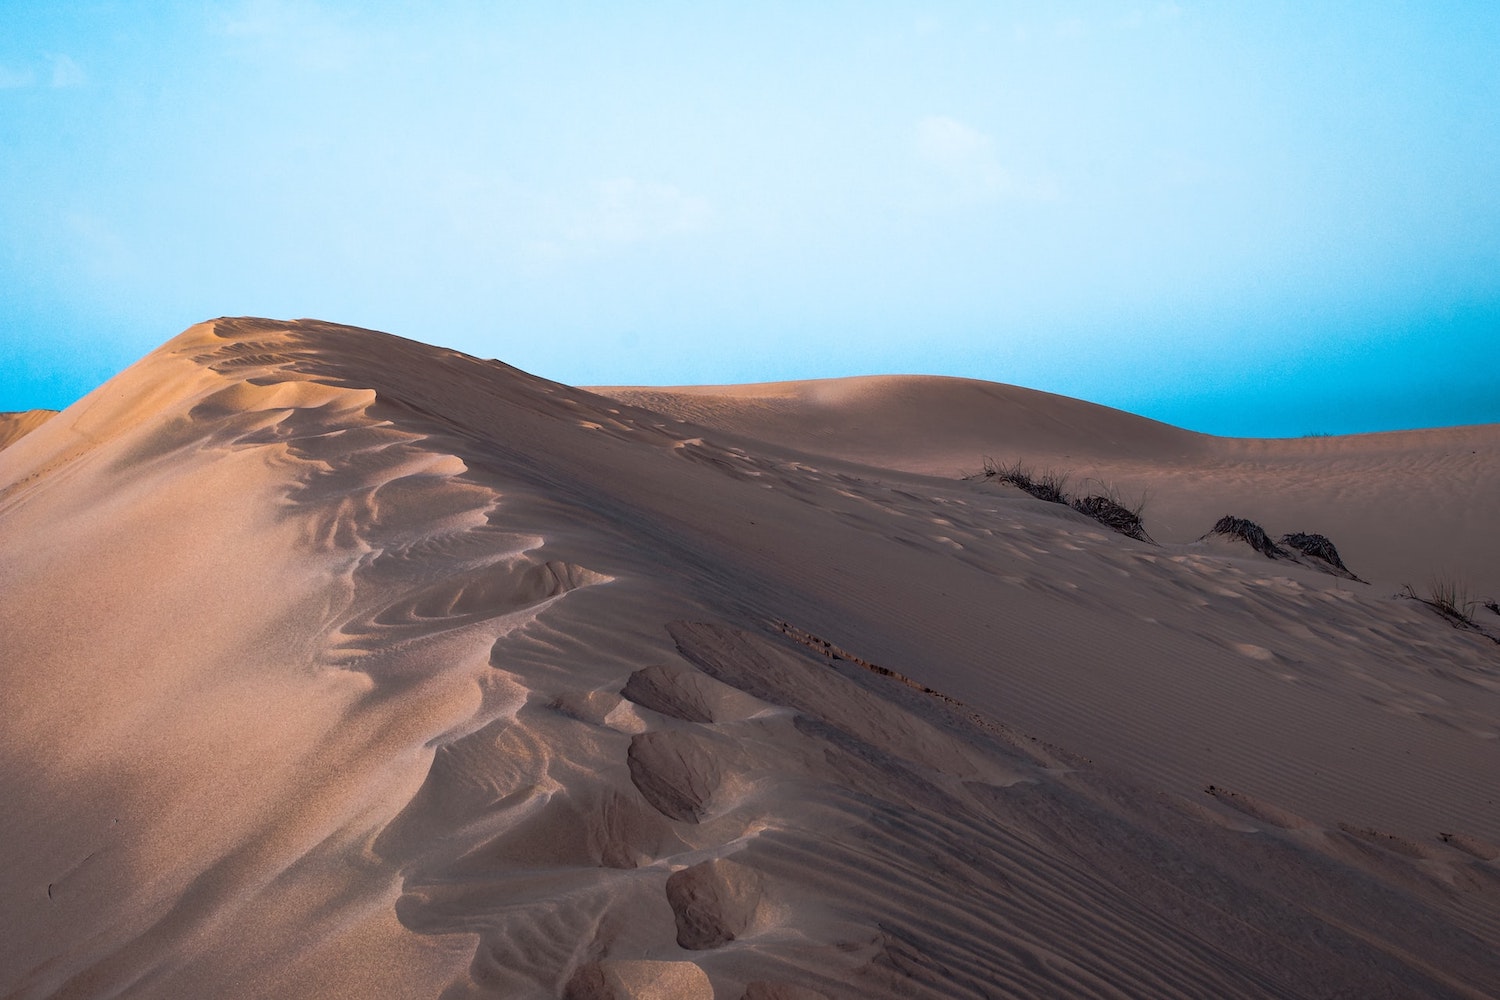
x: 1448, y: 597
x: 1451, y: 599
x: 1049, y: 486
x: 1301, y: 547
x: 1106, y: 508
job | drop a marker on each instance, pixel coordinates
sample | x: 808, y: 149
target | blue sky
x: 1261, y: 219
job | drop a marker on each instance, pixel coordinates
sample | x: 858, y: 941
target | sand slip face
x: 338, y: 665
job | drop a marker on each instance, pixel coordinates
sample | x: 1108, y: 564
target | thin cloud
x: 969, y: 166
x: 1138, y: 17
x: 303, y: 33
x: 625, y: 210
x: 99, y: 249
x: 1070, y: 27
x: 15, y: 79
x: 265, y: 19
x: 67, y: 73
x: 965, y: 155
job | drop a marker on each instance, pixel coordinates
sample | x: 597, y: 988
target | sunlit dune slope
x: 337, y: 665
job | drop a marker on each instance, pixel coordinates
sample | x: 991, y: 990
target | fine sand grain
x: 337, y: 665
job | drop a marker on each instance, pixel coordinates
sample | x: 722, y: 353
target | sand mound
x: 342, y: 666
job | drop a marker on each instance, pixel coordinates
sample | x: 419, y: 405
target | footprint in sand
x: 676, y: 773
x: 715, y: 902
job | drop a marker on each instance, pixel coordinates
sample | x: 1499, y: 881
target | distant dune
x: 1402, y: 502
x: 338, y: 665
x: 14, y: 426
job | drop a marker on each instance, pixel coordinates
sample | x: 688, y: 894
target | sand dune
x: 14, y: 426
x: 338, y: 665
x: 1400, y: 503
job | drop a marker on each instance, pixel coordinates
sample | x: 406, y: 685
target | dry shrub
x: 1317, y: 546
x: 1450, y: 598
x: 1110, y: 512
x: 1248, y: 532
x: 1107, y: 508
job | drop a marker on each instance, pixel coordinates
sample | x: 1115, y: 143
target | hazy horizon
x: 1265, y: 223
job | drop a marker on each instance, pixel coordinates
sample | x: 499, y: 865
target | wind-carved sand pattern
x: 425, y: 677
x: 396, y: 512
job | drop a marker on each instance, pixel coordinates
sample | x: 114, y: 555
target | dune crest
x: 339, y: 665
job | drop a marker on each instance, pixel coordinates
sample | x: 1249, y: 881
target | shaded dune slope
x: 920, y: 421
x: 340, y: 665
